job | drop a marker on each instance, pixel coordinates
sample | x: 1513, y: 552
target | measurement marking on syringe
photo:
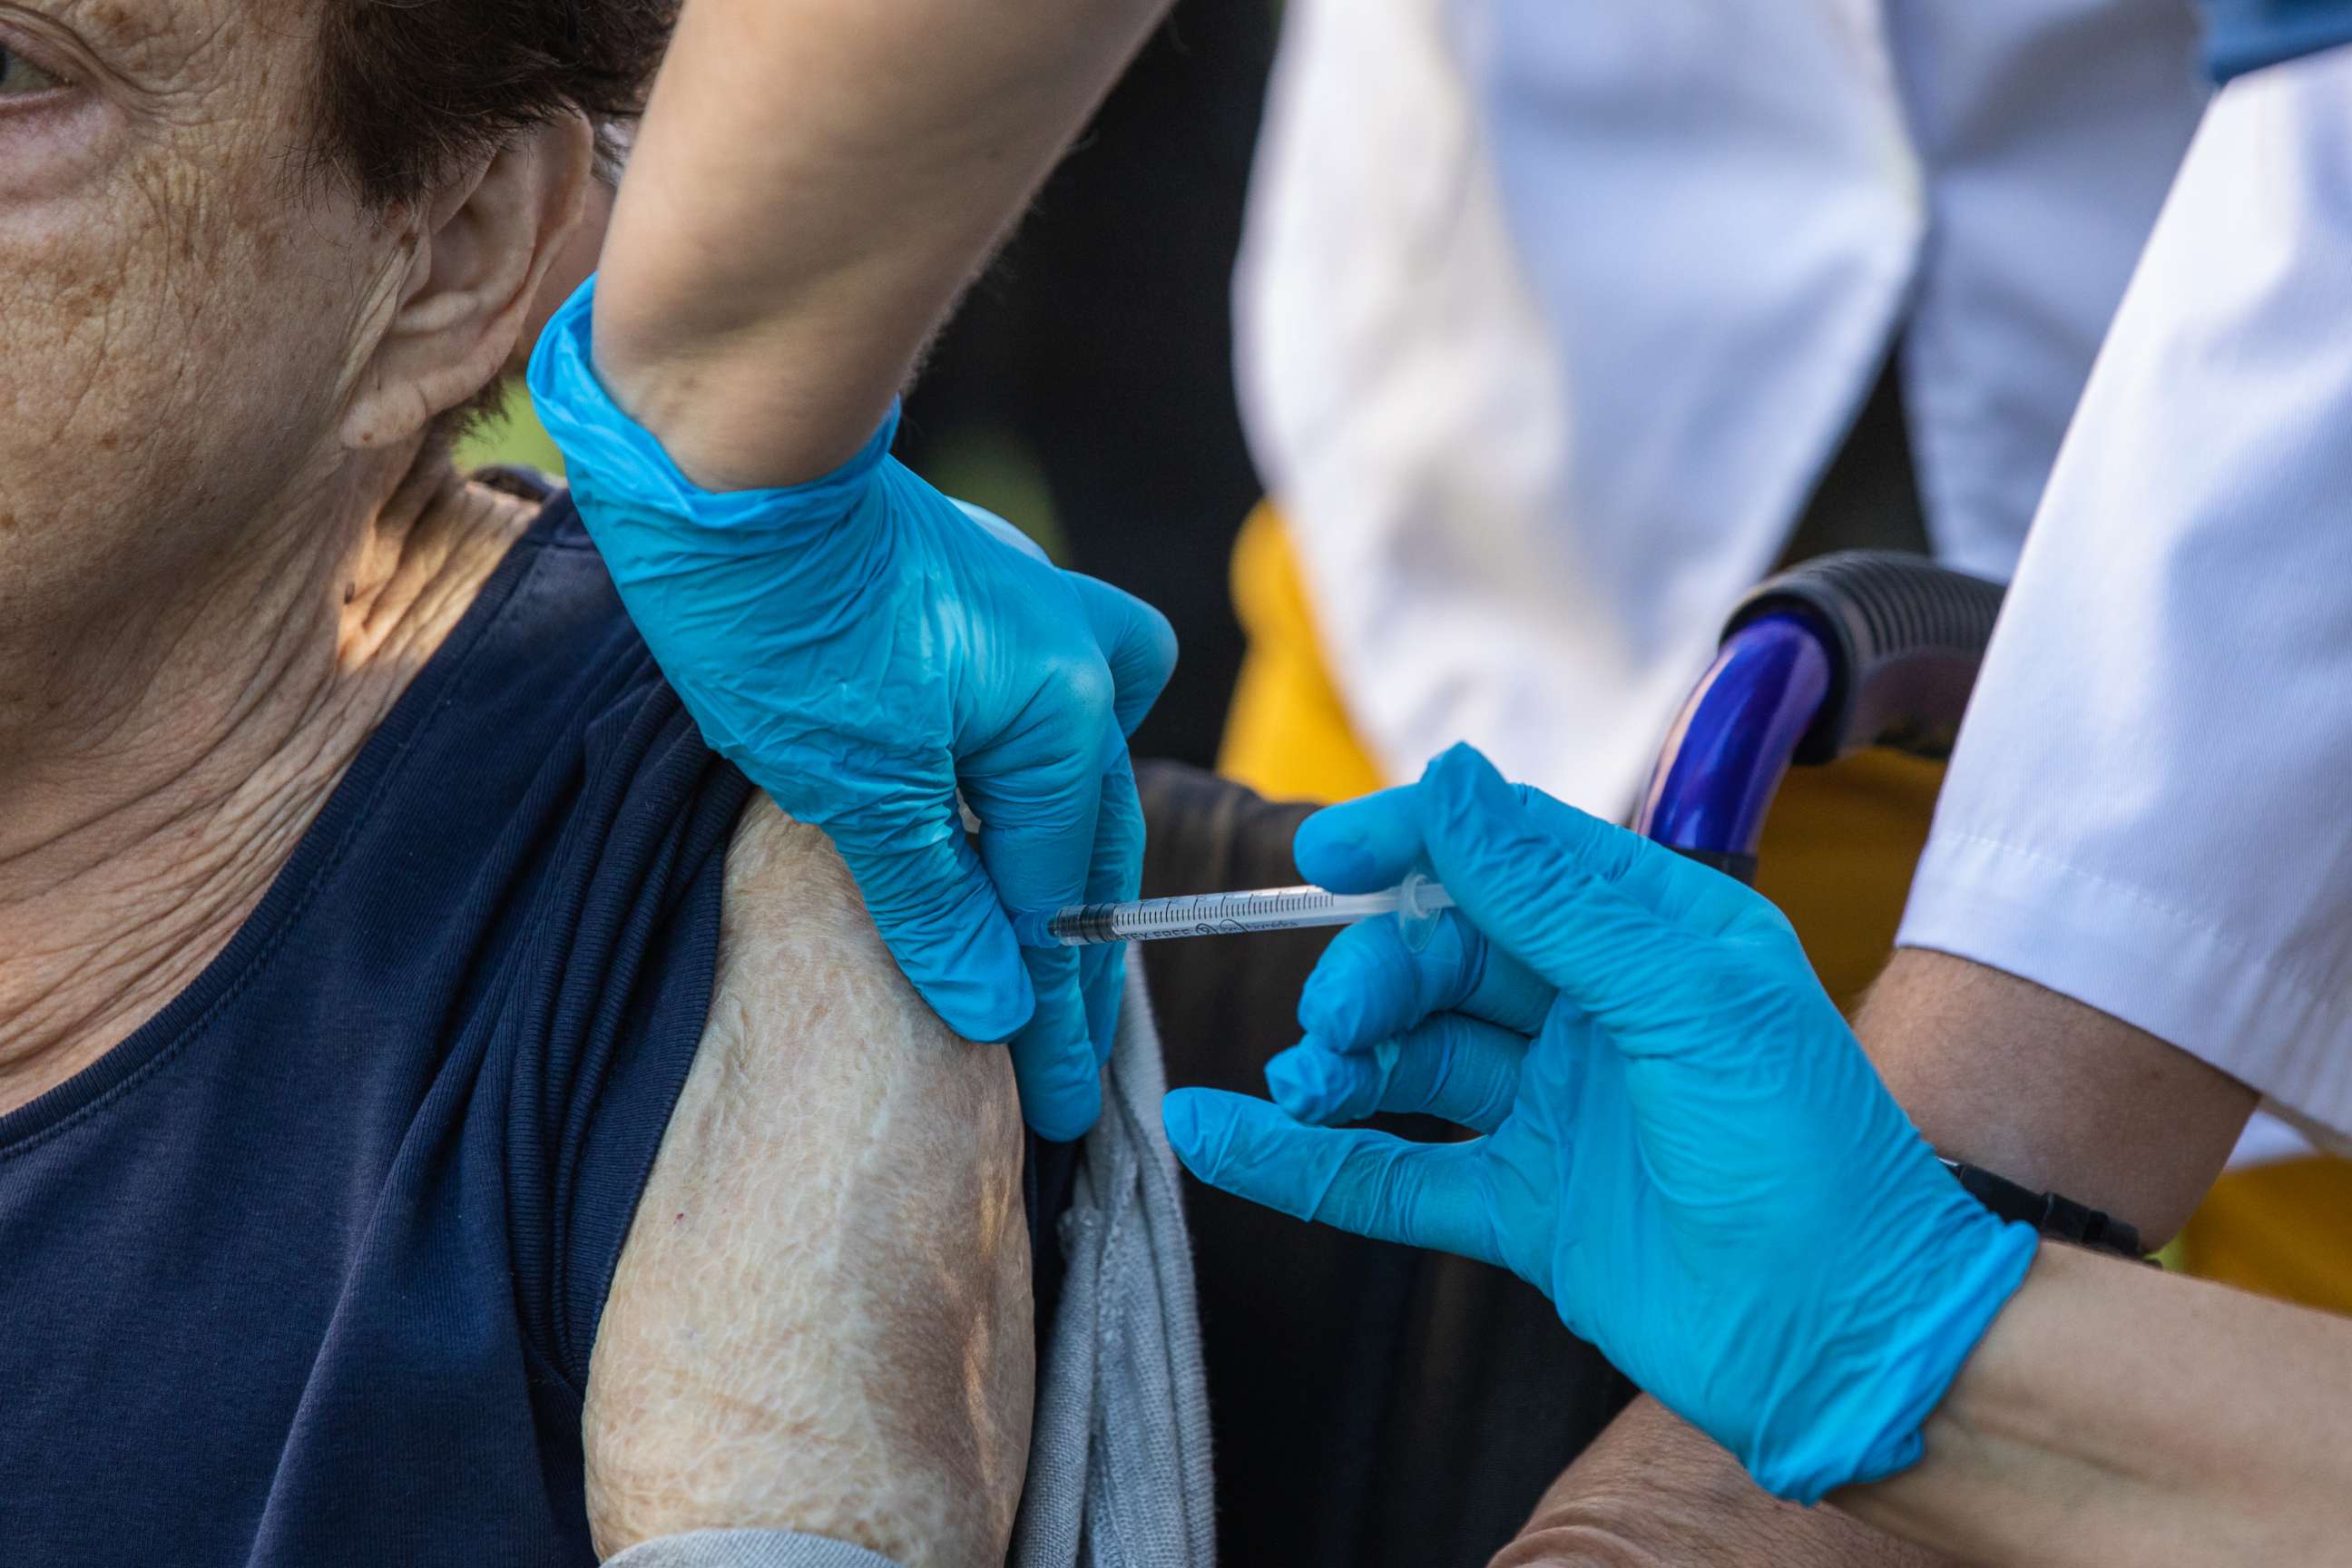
x: 1204, y: 914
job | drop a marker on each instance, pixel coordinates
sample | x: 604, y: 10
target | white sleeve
x: 2150, y: 808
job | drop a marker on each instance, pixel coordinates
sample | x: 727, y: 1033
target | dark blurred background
x: 1085, y: 391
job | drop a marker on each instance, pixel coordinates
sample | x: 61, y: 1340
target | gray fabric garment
x: 1118, y: 1456
x: 747, y: 1549
x: 1119, y: 1465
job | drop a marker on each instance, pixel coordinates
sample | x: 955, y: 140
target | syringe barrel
x: 1213, y: 914
x: 1220, y: 914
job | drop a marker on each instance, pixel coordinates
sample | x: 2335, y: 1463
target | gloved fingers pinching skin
x: 1034, y: 853
x: 1374, y: 1184
x: 1454, y: 1066
x: 862, y: 646
x: 1054, y: 1061
x: 932, y: 902
x: 1116, y: 873
x: 1039, y: 822
x: 1138, y: 648
x: 1037, y: 784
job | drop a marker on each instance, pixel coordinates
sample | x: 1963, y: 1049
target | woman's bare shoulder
x: 821, y: 1321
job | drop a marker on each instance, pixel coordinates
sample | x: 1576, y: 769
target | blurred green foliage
x: 512, y: 436
x: 985, y: 465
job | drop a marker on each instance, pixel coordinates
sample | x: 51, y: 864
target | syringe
x: 1415, y: 903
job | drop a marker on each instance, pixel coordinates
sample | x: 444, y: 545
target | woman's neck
x: 149, y: 800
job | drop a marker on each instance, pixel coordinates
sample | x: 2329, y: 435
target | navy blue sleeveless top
x: 307, y: 1270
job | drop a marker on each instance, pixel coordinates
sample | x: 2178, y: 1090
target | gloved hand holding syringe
x: 1415, y: 901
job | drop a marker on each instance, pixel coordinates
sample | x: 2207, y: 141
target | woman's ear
x: 475, y: 266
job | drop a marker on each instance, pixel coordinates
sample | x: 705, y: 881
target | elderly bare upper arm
x: 821, y: 1321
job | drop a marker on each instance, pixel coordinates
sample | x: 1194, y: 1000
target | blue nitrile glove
x: 862, y: 647
x: 1691, y: 1155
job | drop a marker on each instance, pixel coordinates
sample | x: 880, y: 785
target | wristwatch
x: 2052, y: 1214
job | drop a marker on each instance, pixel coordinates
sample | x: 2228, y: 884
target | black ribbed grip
x: 2052, y: 1214
x: 1905, y: 636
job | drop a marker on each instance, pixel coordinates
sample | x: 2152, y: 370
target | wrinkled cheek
x: 77, y: 378
x: 160, y: 330
x: 59, y: 301
x: 119, y: 448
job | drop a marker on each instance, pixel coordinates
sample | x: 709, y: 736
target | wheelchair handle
x: 1861, y: 648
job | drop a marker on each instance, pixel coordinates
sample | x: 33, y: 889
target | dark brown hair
x: 411, y: 89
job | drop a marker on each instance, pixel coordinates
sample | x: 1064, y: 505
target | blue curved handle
x: 1860, y: 648
x: 1732, y: 743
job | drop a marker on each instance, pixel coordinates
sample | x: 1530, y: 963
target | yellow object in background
x: 2283, y: 1228
x: 1288, y: 736
x: 1837, y: 855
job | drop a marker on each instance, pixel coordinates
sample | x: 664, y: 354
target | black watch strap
x: 2049, y: 1212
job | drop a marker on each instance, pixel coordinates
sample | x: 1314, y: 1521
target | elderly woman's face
x: 186, y: 310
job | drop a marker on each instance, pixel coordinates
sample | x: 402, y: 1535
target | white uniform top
x: 1553, y: 314
x: 2151, y: 805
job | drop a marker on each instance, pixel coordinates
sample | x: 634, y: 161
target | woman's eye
x: 20, y: 78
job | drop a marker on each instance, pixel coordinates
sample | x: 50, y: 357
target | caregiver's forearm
x: 1994, y: 1070
x: 2114, y: 1414
x: 814, y: 183
x: 1653, y: 1492
x: 2040, y: 1089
